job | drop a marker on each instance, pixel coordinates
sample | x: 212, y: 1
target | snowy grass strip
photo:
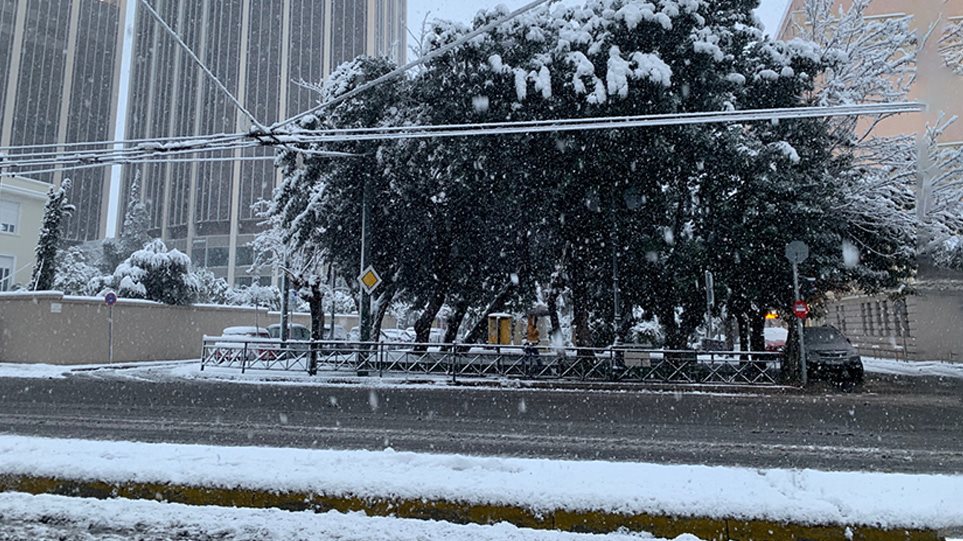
x: 536, y: 486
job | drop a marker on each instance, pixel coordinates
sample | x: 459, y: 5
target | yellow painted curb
x: 710, y: 529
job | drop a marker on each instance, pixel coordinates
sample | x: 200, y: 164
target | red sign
x: 800, y: 309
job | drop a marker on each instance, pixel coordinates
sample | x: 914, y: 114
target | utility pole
x: 616, y: 293
x: 285, y: 301
x: 797, y: 252
x: 365, y: 308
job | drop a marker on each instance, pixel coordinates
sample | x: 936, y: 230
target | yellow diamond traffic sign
x: 370, y: 280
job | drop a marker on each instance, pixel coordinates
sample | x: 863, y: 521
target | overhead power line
x: 596, y: 123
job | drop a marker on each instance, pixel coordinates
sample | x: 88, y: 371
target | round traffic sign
x: 797, y: 251
x: 110, y: 298
x: 800, y: 309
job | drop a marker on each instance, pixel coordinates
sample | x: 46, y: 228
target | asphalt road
x: 901, y: 425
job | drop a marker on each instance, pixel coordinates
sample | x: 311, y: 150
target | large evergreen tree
x: 54, y: 214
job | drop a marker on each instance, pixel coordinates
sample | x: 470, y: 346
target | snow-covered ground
x: 80, y: 519
x: 805, y: 496
x: 941, y: 369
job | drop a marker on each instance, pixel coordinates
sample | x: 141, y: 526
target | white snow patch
x: 806, y: 496
x: 49, y: 517
x: 851, y: 255
x: 941, y: 369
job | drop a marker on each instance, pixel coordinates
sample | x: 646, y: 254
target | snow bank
x: 913, y: 368
x: 49, y: 517
x: 802, y: 496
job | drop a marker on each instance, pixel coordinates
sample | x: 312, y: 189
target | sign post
x: 110, y: 299
x: 710, y: 301
x: 796, y: 253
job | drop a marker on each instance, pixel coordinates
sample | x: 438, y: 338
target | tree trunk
x: 423, y: 324
x: 757, y: 326
x: 316, y: 306
x: 481, y: 326
x: 382, y: 304
x: 454, y: 322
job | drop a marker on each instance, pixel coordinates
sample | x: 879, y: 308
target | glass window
x: 245, y: 256
x: 217, y: 257
x: 199, y: 253
x: 6, y: 272
x: 9, y: 217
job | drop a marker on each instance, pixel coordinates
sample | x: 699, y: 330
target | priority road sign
x: 800, y: 309
x: 369, y: 280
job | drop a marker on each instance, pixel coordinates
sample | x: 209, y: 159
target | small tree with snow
x: 158, y: 274
x: 54, y: 215
x: 75, y: 276
x: 134, y: 234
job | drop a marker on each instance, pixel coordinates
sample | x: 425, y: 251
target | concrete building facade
x: 924, y: 325
x: 61, y: 67
x: 21, y: 214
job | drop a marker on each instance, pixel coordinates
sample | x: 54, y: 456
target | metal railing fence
x: 614, y: 364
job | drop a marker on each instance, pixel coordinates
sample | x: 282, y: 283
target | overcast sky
x: 770, y: 11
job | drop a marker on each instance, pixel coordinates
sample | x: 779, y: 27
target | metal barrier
x: 617, y: 364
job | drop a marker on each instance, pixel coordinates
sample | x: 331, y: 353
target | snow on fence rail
x: 619, y: 364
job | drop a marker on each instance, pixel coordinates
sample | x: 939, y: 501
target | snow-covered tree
x: 158, y: 274
x: 211, y: 288
x: 76, y: 276
x: 255, y: 295
x: 54, y: 214
x: 134, y: 233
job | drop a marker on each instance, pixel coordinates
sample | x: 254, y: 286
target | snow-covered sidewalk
x: 80, y: 519
x: 940, y: 369
x: 800, y: 496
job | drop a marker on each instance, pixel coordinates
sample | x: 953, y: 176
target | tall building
x: 260, y: 50
x: 73, y: 74
x: 59, y: 71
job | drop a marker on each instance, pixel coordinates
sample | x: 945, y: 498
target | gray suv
x: 830, y: 355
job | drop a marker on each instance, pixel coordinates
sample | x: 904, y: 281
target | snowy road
x: 906, y: 425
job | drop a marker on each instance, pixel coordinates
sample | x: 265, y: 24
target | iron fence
x: 615, y: 364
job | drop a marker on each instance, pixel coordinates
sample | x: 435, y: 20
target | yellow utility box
x: 500, y: 329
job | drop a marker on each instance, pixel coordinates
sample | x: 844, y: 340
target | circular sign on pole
x: 800, y: 309
x: 797, y: 251
x: 110, y: 298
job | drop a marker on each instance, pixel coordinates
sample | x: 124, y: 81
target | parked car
x: 830, y: 355
x: 775, y: 338
x: 296, y: 331
x: 236, y: 342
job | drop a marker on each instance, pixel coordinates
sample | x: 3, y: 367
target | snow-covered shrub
x: 75, y: 276
x: 158, y: 274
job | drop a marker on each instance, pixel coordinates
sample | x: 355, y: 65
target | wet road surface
x: 892, y: 424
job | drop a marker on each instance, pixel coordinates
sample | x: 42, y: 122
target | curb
x: 669, y: 527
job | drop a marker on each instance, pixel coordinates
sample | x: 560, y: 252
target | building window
x: 6, y: 272
x: 869, y: 318
x: 199, y: 253
x: 862, y: 318
x: 9, y: 217
x: 217, y: 257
